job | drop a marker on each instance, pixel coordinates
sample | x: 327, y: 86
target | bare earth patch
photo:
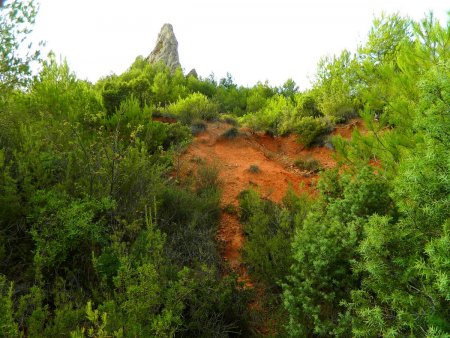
x: 253, y: 160
x: 250, y: 160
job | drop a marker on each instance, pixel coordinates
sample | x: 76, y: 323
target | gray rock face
x: 193, y: 73
x: 166, y: 49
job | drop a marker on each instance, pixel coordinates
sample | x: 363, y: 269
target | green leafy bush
x: 231, y: 120
x: 254, y: 169
x: 324, y: 249
x: 7, y: 324
x: 268, y: 227
x: 308, y: 163
x: 195, y: 106
x: 134, y: 124
x: 270, y: 116
x: 16, y: 50
x: 307, y: 105
x: 257, y: 97
x: 177, y: 134
x: 198, y: 126
x: 337, y: 85
x: 231, y: 133
x: 310, y: 130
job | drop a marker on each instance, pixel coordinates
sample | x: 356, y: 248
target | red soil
x: 346, y: 130
x: 164, y: 119
x: 273, y: 156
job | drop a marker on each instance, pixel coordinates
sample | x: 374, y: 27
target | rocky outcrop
x: 166, y: 49
x: 193, y: 73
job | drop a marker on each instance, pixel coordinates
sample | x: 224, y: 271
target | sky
x: 254, y: 40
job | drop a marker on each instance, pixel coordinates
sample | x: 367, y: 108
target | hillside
x: 274, y: 172
x: 155, y: 203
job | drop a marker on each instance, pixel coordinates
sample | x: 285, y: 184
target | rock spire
x: 166, y: 48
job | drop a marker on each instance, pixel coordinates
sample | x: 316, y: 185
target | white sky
x: 254, y: 40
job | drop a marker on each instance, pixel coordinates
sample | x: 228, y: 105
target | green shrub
x: 177, y: 134
x: 308, y: 163
x: 325, y: 248
x: 207, y: 180
x: 254, y: 169
x: 198, y: 126
x: 307, y: 105
x: 195, y: 106
x: 229, y: 120
x: 269, y: 229
x: 271, y: 116
x: 311, y: 129
x: 247, y: 198
x: 230, y: 209
x: 189, y: 217
x: 344, y: 112
x: 8, y: 326
x: 337, y: 85
x: 231, y: 133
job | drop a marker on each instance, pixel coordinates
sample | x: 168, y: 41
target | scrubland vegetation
x: 99, y: 239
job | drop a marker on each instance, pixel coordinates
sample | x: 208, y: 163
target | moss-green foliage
x: 268, y: 228
x: 308, y: 163
x: 324, y: 247
x: 270, y: 117
x: 335, y: 86
x: 8, y: 326
x: 16, y: 20
x: 370, y: 260
x: 95, y: 238
x: 310, y: 130
x: 194, y: 107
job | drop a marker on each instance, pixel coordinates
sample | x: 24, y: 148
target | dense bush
x: 370, y: 256
x: 324, y: 248
x: 307, y: 105
x: 257, y: 97
x: 366, y: 259
x: 310, y: 130
x: 335, y: 88
x: 308, y: 163
x: 270, y: 116
x: 194, y: 107
x: 231, y: 133
x: 97, y: 239
x: 268, y: 228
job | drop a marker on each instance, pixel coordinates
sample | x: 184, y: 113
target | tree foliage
x: 16, y: 22
x: 97, y: 237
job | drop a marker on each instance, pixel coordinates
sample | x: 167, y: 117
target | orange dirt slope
x: 273, y: 157
x: 272, y: 160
